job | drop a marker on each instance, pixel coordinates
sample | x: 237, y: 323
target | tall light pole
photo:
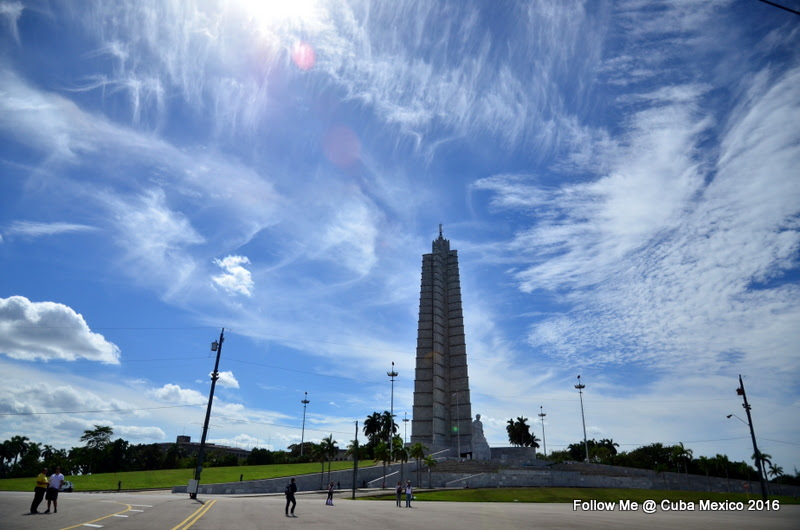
x: 580, y: 388
x: 458, y: 425
x: 405, y: 427
x: 544, y: 439
x: 217, y: 347
x: 759, y: 464
x: 303, y: 432
x: 355, y: 461
x: 391, y: 374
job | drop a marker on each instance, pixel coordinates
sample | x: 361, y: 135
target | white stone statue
x: 480, y: 447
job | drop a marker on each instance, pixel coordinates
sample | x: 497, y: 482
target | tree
x: 331, y: 450
x: 763, y: 463
x: 430, y: 462
x: 775, y: 471
x: 388, y: 426
x: 681, y: 454
x: 519, y: 433
x: 372, y: 427
x: 705, y: 464
x: 18, y: 446
x: 318, y: 454
x: 417, y: 452
x: 384, y: 454
x: 400, y: 454
x: 97, y: 438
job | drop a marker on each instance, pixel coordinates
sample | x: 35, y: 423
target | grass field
x: 568, y: 495
x: 166, y: 478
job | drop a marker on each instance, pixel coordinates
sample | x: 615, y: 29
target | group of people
x: 47, y: 488
x: 400, y: 490
x: 291, y: 489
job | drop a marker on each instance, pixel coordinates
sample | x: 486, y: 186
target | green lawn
x: 571, y: 494
x: 166, y: 478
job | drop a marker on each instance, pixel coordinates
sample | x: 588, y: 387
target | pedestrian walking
x: 399, y: 493
x: 53, y: 487
x: 329, y: 501
x: 291, y: 489
x: 409, y: 492
x: 39, y: 490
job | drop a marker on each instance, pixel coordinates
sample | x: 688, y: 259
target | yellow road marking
x: 101, y: 518
x: 189, y: 521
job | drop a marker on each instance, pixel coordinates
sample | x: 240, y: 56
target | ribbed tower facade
x: 442, y: 414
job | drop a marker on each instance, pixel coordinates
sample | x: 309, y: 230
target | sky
x: 620, y: 180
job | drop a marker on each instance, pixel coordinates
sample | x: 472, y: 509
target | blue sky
x: 619, y: 178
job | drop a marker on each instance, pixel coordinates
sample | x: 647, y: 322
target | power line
x: 781, y: 7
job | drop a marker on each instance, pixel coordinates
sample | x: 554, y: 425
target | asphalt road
x: 146, y: 510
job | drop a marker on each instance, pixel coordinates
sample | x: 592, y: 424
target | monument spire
x: 442, y: 416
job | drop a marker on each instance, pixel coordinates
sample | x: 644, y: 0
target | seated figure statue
x: 480, y: 447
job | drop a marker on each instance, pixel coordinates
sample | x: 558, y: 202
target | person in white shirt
x: 53, y: 487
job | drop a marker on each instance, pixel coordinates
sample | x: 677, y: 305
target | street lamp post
x: 580, y: 388
x: 544, y: 439
x: 303, y: 432
x: 391, y: 374
x: 405, y: 427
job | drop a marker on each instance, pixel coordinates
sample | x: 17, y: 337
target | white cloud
x: 236, y: 278
x: 34, y: 229
x: 175, y: 394
x: 49, y: 331
x: 227, y: 379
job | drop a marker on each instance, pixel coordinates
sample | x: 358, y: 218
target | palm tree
x: 384, y: 454
x: 400, y: 454
x: 681, y: 454
x: 765, y: 460
x: 513, y: 434
x: 705, y: 464
x: 430, y: 462
x: 775, y: 471
x: 318, y: 453
x: 388, y: 426
x: 417, y: 452
x: 329, y: 448
x: 18, y: 447
x: 372, y: 427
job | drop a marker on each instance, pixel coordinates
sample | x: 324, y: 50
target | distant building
x: 192, y: 448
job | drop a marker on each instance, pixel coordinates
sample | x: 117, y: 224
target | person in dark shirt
x: 291, y: 489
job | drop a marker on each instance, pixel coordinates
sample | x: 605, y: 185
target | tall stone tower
x: 442, y: 414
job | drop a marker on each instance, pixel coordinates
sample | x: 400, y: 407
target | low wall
x: 578, y: 475
x: 371, y: 477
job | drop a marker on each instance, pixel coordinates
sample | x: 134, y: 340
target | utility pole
x: 544, y: 440
x: 759, y: 464
x: 303, y: 432
x: 355, y: 462
x: 217, y: 347
x: 580, y: 388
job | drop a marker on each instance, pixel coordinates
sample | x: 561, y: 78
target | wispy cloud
x: 680, y: 251
x: 11, y: 12
x: 35, y: 229
x: 49, y: 331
